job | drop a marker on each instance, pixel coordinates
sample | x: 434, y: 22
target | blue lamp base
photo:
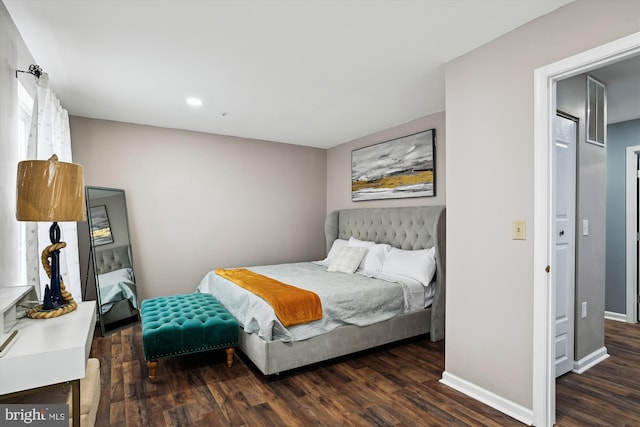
x: 53, y: 296
x: 57, y: 300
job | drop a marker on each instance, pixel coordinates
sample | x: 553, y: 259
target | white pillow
x: 335, y: 247
x: 373, y: 260
x: 116, y: 276
x: 418, y: 265
x: 347, y: 259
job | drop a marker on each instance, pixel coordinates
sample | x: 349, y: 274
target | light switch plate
x: 585, y: 227
x: 519, y: 230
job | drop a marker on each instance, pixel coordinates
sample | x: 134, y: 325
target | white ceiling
x: 315, y: 73
x: 622, y: 81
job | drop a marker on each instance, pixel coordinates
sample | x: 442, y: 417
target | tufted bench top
x: 182, y: 324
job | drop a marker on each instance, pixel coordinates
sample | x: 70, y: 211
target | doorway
x: 632, y: 175
x: 545, y: 79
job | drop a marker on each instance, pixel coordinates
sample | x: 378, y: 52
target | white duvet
x: 346, y: 299
x: 116, y: 286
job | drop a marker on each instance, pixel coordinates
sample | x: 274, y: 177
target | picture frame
x: 400, y: 168
x: 99, y: 225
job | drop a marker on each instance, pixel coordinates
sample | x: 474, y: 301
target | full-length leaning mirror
x: 111, y: 258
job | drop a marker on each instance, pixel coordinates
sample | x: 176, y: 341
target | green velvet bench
x: 184, y: 324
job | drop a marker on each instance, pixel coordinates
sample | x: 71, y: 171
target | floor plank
x: 397, y: 385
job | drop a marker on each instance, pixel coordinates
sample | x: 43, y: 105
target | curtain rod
x: 33, y: 69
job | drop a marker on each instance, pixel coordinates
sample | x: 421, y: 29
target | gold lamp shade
x: 49, y: 190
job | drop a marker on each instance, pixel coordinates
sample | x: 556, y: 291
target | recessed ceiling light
x: 196, y: 102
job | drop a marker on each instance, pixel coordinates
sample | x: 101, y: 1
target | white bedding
x: 116, y: 286
x: 346, y: 299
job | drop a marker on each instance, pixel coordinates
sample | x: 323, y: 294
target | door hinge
x: 638, y: 299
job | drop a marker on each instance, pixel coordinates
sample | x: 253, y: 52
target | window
x: 596, y: 111
x: 25, y: 109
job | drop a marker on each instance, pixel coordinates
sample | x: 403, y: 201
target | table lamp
x: 49, y: 190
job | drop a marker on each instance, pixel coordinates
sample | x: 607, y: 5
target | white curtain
x: 50, y: 135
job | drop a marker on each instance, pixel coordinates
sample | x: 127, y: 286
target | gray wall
x: 591, y: 205
x: 619, y: 137
x: 198, y: 201
x: 339, y: 166
x: 13, y: 55
x: 490, y: 183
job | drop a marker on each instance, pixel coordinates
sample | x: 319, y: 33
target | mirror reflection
x: 111, y: 258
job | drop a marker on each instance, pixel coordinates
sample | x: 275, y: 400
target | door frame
x: 631, y: 209
x: 545, y: 78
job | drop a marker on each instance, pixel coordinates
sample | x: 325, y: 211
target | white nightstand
x: 48, y: 352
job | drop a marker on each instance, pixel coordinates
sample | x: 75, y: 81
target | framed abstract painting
x: 401, y: 168
x: 100, y: 228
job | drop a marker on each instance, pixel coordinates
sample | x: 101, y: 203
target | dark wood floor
x: 609, y: 393
x: 392, y: 386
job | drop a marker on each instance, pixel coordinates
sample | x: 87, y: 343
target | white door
x: 564, y: 189
x: 637, y: 232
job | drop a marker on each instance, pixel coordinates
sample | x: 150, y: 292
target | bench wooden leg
x: 230, y: 351
x: 152, y: 365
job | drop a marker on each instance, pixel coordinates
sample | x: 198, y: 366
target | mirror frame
x: 115, y: 326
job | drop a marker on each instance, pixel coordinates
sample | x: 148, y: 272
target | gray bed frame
x: 405, y: 228
x: 108, y: 260
x: 112, y: 259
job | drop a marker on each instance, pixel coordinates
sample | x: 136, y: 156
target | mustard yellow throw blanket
x: 292, y: 305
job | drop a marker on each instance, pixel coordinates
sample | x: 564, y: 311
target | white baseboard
x: 615, y: 316
x: 508, y: 407
x: 590, y: 360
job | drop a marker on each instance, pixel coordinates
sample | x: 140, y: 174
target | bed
x: 116, y: 284
x: 274, y: 348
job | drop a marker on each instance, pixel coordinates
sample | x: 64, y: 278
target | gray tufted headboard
x: 412, y: 228
x: 112, y: 259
